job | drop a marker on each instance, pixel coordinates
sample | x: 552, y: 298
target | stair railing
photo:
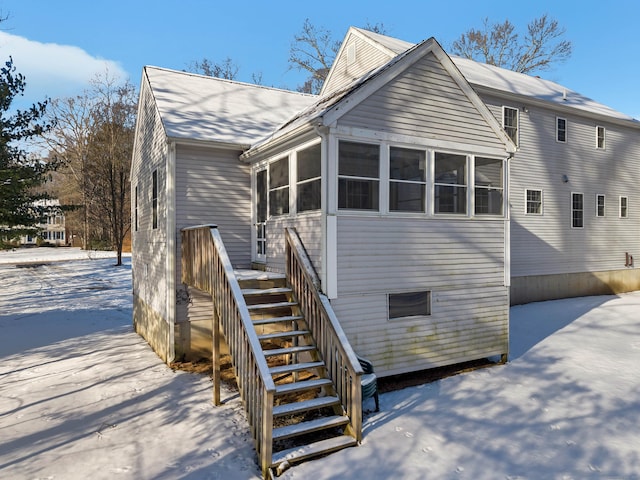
x: 206, y: 266
x: 341, y: 361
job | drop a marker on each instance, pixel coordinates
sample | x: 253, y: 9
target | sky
x: 60, y: 46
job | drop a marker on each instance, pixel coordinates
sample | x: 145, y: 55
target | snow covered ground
x: 82, y: 396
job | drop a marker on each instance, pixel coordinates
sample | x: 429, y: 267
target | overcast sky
x: 60, y: 45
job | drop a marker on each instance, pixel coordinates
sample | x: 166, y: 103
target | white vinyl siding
x: 461, y: 262
x: 424, y: 100
x: 309, y: 228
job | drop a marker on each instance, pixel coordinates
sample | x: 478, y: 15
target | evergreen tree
x: 21, y: 175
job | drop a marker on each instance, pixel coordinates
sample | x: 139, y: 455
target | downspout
x: 172, y: 255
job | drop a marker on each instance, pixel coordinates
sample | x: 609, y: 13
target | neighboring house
x: 429, y: 191
x: 52, y: 229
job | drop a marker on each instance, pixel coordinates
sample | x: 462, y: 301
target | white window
x: 154, y: 198
x: 308, y: 195
x: 450, y: 184
x: 533, y: 202
x: 600, y: 205
x: 136, y: 210
x: 358, y: 176
x: 510, y: 123
x: 410, y: 304
x: 561, y: 130
x: 600, y: 137
x: 624, y: 207
x: 488, y: 186
x: 279, y: 187
x: 407, y: 180
x: 577, y: 210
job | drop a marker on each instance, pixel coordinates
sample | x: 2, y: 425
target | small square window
x: 600, y: 138
x: 533, y: 202
x: 561, y: 130
x: 599, y: 205
x: 624, y: 207
x: 410, y: 304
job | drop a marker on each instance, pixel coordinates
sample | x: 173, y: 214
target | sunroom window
x: 279, y: 187
x: 488, y: 186
x: 407, y: 180
x: 450, y: 183
x: 308, y: 186
x: 358, y: 176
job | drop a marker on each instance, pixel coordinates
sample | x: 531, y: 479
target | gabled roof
x: 201, y: 108
x: 489, y: 77
x: 328, y: 108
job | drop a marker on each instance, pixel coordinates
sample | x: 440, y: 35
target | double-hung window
x: 624, y: 207
x: 309, y: 182
x: 533, y: 199
x: 577, y: 210
x: 407, y: 180
x: 154, y: 199
x: 600, y: 138
x: 488, y: 186
x: 600, y: 205
x: 450, y: 186
x: 510, y: 123
x: 561, y: 130
x: 358, y: 176
x: 279, y: 187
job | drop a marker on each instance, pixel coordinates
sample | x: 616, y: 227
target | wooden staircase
x: 308, y: 417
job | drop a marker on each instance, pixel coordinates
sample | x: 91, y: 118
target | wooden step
x: 302, y: 386
x: 323, y: 447
x: 270, y: 306
x: 288, y: 350
x: 249, y: 292
x: 286, y: 334
x: 288, y: 318
x: 310, y: 426
x: 295, y: 367
x: 305, y: 406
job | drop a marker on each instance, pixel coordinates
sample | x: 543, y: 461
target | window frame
x: 428, y: 303
x: 563, y: 130
x: 601, y: 141
x: 397, y: 181
x: 576, y: 210
x: 600, y: 214
x: 488, y: 189
x: 135, y: 218
x: 623, y: 212
x: 373, y: 181
x: 154, y: 199
x: 526, y: 201
x: 280, y: 188
x: 466, y: 186
x: 515, y: 138
x: 308, y: 181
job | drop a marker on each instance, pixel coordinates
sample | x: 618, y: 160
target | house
x: 414, y: 199
x: 52, y: 229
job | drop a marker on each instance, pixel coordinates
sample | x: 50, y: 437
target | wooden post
x: 215, y: 352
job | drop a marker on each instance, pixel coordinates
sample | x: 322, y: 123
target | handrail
x: 341, y: 362
x: 206, y: 266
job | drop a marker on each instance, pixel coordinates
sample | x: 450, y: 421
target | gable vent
x: 351, y: 53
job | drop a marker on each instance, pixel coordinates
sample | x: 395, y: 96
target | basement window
x: 410, y: 304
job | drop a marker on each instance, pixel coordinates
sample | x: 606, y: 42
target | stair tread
x: 306, y: 405
x: 310, y: 426
x: 287, y: 318
x: 266, y: 306
x: 265, y: 291
x: 304, y: 385
x: 298, y: 454
x: 284, y: 334
x: 285, y: 351
x: 295, y: 367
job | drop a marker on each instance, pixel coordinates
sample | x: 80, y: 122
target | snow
x: 82, y: 396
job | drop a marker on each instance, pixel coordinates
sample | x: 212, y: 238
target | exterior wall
x: 546, y: 247
x: 367, y: 58
x: 212, y: 187
x: 460, y: 261
x: 149, y: 245
x: 425, y: 102
x: 309, y: 228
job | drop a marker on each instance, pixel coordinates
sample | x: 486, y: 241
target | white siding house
x: 430, y: 192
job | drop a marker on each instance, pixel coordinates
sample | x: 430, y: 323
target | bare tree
x: 500, y: 44
x: 228, y: 69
